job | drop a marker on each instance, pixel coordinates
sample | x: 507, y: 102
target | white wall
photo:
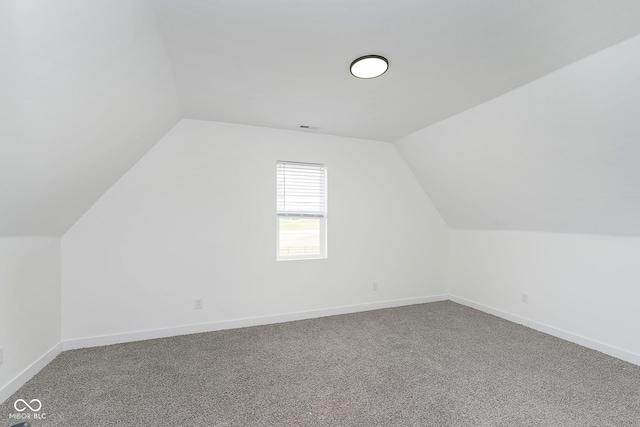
x: 196, y: 218
x: 29, y: 306
x: 581, y: 287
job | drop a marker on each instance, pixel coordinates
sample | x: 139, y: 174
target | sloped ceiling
x: 285, y: 63
x: 559, y: 154
x: 86, y: 90
x: 89, y: 86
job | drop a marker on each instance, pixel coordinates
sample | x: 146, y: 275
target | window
x: 301, y: 210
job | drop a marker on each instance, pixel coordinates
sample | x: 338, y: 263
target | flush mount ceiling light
x: 370, y: 66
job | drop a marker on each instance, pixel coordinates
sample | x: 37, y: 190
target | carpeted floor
x: 437, y: 364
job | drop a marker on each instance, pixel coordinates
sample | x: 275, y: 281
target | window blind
x: 301, y: 189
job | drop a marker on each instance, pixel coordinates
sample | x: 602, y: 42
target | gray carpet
x: 437, y: 364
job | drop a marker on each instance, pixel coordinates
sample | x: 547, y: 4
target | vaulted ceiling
x: 284, y: 63
x: 88, y: 87
x: 559, y: 154
x: 86, y: 90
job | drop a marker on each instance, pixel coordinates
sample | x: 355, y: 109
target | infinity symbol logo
x: 26, y: 405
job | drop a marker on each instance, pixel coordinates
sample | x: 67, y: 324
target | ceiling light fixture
x: 369, y: 66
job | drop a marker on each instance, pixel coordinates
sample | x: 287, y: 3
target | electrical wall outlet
x: 197, y: 304
x: 374, y: 287
x: 524, y: 298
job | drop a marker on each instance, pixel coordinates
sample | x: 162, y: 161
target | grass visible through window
x: 299, y: 236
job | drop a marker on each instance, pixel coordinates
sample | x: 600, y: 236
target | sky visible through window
x: 300, y: 209
x: 299, y: 236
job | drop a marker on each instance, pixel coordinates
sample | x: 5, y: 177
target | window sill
x: 302, y: 258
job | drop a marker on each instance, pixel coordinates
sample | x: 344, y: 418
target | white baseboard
x: 560, y: 333
x: 28, y: 373
x: 241, y: 323
x: 15, y: 384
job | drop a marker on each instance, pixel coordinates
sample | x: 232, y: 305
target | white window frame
x: 320, y: 215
